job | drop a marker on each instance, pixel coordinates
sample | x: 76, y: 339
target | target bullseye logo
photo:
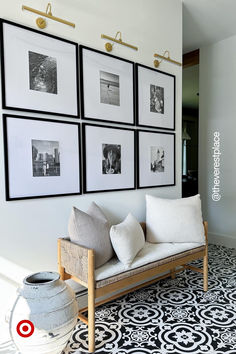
x: 25, y: 328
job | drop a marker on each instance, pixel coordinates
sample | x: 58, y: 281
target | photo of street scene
x: 45, y: 158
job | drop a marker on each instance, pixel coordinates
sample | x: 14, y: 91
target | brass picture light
x: 115, y: 39
x: 164, y: 57
x: 41, y: 22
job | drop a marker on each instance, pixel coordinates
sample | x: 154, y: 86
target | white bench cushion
x: 148, y: 254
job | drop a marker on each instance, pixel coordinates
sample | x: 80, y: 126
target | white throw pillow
x: 127, y: 239
x: 91, y: 230
x: 174, y: 220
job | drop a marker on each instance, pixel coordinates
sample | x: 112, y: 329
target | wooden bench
x: 77, y: 263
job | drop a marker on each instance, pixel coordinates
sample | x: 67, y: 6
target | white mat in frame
x: 42, y: 157
x: 156, y: 159
x: 107, y: 87
x: 155, y: 92
x: 39, y: 71
x: 109, y: 158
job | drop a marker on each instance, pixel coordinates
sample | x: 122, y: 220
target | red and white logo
x: 25, y: 328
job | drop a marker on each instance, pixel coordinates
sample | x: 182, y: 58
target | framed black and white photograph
x: 39, y: 71
x: 107, y: 87
x: 42, y: 157
x: 155, y: 98
x: 109, y: 158
x: 156, y: 159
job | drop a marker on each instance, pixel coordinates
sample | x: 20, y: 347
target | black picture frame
x: 8, y: 179
x: 122, y: 130
x: 73, y: 79
x: 140, y: 120
x: 104, y: 117
x: 140, y: 166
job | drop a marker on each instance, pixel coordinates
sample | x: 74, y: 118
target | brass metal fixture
x: 119, y: 40
x: 163, y: 57
x: 41, y: 22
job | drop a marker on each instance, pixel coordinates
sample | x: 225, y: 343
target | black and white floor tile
x: 171, y: 316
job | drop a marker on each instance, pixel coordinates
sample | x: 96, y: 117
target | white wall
x: 218, y: 113
x: 29, y: 229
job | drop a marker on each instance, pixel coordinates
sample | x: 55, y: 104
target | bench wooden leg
x: 205, y: 259
x: 205, y: 272
x: 91, y: 321
x: 91, y: 303
x: 172, y: 273
x: 61, y: 270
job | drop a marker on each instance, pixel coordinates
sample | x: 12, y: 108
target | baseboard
x: 224, y: 240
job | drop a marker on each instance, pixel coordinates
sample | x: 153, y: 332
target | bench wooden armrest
x: 74, y: 259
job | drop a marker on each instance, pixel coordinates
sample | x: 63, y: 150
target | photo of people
x: 45, y: 158
x: 109, y: 88
x: 42, y: 73
x: 157, y: 159
x: 156, y: 99
x: 111, y: 163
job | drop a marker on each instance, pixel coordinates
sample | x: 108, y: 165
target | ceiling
x: 207, y: 21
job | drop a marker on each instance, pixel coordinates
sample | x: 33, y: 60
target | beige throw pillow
x: 127, y: 239
x: 91, y: 230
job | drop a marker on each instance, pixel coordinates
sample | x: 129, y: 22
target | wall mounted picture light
x: 164, y: 57
x: 109, y: 46
x: 41, y: 22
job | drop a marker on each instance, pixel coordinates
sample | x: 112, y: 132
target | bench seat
x: 151, y: 255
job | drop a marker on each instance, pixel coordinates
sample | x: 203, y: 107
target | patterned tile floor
x: 171, y: 316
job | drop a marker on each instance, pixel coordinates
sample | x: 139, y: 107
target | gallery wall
x: 29, y: 229
x: 217, y: 114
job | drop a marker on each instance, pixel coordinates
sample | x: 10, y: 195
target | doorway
x: 190, y: 124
